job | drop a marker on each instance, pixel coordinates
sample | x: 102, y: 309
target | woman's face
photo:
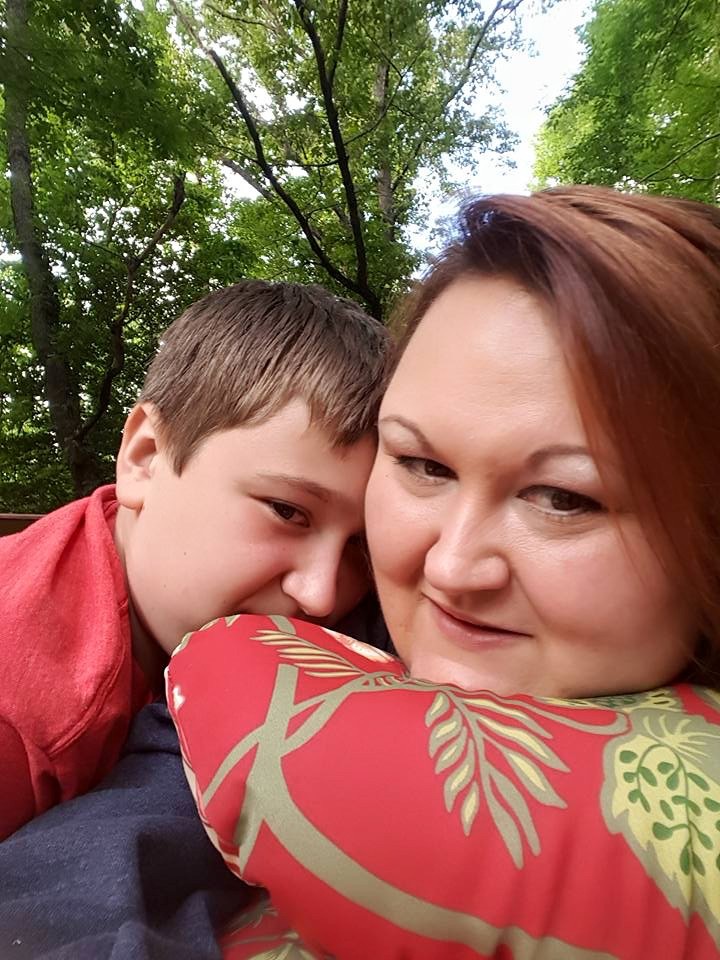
x: 497, y: 561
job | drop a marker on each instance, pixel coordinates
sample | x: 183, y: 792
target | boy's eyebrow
x: 304, y: 484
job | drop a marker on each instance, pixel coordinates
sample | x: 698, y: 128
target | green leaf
x: 648, y: 776
x: 660, y: 831
x: 698, y: 780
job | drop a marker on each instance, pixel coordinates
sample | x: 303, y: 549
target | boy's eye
x: 560, y: 502
x: 289, y: 513
x: 424, y: 468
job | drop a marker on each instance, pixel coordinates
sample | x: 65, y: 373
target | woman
x: 544, y: 512
x: 543, y: 520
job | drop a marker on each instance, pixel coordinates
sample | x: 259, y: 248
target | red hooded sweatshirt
x: 68, y: 683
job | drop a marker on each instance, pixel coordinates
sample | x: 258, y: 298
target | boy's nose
x: 313, y: 587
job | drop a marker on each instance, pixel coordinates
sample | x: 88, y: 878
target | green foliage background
x: 643, y: 113
x: 124, y: 101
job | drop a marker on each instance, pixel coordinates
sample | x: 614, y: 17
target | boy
x: 240, y: 483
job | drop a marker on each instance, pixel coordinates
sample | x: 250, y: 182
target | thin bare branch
x: 247, y: 21
x: 679, y: 156
x: 371, y: 128
x: 331, y: 114
x: 101, y: 246
x: 247, y: 177
x: 668, y: 38
x: 354, y: 286
x: 339, y: 36
x: 177, y: 202
x: 501, y: 12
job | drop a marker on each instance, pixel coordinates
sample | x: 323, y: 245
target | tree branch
x: 343, y: 160
x: 371, y: 128
x: 246, y: 176
x: 339, y: 36
x: 493, y: 20
x: 59, y: 387
x: 353, y: 286
x: 177, y: 202
x: 679, y: 156
x: 668, y: 38
x: 247, y: 21
x: 384, y: 175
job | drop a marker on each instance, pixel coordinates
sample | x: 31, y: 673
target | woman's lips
x: 468, y: 633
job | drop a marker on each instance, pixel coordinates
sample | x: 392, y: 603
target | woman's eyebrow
x: 533, y: 460
x: 558, y: 450
x: 409, y: 426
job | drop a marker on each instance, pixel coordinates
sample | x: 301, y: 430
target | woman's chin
x: 436, y: 668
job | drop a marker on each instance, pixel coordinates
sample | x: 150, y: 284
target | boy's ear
x: 136, y: 459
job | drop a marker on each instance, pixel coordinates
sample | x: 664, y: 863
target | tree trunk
x: 386, y: 196
x: 60, y: 391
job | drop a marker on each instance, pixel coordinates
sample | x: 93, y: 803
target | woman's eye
x: 423, y: 468
x: 563, y: 503
x: 289, y: 513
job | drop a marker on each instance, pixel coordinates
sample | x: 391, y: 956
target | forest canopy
x: 155, y: 151
x: 643, y: 113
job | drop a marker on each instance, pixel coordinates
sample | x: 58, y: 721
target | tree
x: 125, y: 130
x: 643, y: 110
x: 338, y: 107
x: 99, y: 138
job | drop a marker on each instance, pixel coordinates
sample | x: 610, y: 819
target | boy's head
x: 240, y: 354
x: 243, y: 466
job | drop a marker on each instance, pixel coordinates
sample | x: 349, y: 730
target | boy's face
x: 263, y: 519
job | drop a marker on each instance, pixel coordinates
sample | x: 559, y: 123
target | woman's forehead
x: 482, y: 335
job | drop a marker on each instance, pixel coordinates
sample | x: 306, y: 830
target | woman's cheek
x: 578, y: 587
x: 389, y: 525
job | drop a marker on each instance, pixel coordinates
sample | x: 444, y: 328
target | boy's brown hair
x: 240, y: 354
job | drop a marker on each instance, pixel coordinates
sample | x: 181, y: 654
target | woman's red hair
x: 632, y: 283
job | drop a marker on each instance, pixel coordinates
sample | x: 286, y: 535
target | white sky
x: 531, y: 82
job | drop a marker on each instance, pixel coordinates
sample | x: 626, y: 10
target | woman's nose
x: 468, y: 555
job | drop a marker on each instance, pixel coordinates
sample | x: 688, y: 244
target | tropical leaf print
x: 660, y: 699
x: 662, y: 792
x: 315, y: 660
x: 494, y: 752
x: 486, y: 749
x: 258, y: 933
